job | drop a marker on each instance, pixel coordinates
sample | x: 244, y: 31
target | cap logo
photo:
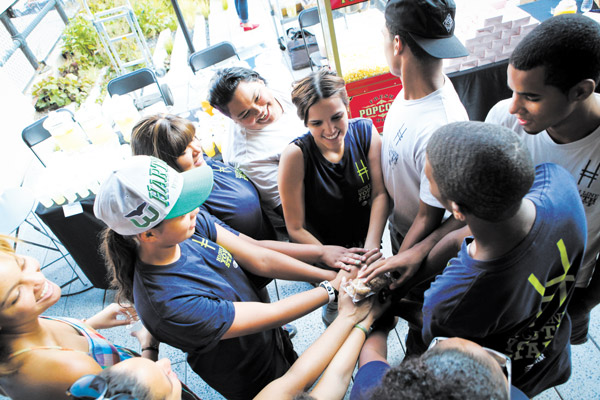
x: 146, y: 220
x: 449, y: 23
x: 158, y: 183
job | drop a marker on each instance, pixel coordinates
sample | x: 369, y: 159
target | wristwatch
x: 330, y: 291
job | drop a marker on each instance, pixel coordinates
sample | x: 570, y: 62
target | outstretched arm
x: 264, y: 262
x: 407, y: 262
x: 332, y: 256
x: 334, y: 382
x: 380, y: 203
x: 253, y: 317
x: 313, y: 361
x: 291, y: 190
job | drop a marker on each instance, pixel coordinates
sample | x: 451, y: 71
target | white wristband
x: 330, y: 290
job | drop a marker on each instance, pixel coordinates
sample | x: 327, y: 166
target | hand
x: 356, y: 311
x: 343, y: 274
x: 145, y: 338
x: 343, y: 258
x: 108, y: 317
x: 372, y: 256
x: 405, y: 263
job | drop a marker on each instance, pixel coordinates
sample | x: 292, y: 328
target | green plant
x: 155, y: 16
x: 53, y: 93
x: 169, y: 45
x: 81, y: 40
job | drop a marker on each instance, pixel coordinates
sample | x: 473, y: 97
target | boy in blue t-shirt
x: 509, y: 286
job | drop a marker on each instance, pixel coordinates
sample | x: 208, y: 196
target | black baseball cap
x: 429, y: 22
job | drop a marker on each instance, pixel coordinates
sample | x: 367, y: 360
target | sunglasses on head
x: 93, y: 387
x: 502, y: 359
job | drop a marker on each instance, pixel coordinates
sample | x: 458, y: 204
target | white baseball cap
x: 144, y: 191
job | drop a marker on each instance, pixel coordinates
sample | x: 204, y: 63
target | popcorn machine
x: 354, y: 45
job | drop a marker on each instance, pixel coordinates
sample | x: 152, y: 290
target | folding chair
x: 137, y: 80
x: 212, y: 55
x: 306, y: 18
x: 36, y: 133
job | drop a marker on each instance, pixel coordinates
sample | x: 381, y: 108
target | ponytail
x: 120, y: 255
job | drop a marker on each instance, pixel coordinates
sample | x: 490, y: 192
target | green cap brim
x: 197, y: 185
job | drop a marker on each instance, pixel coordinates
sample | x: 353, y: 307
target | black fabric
x: 296, y: 49
x: 79, y: 234
x: 480, y: 88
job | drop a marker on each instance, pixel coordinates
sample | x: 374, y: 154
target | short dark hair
x: 567, y: 46
x: 321, y: 84
x: 447, y: 374
x: 224, y: 83
x: 121, y: 381
x: 484, y: 168
x: 164, y: 136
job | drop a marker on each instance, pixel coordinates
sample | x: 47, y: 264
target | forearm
x: 253, y: 317
x: 425, y: 245
x: 374, y: 349
x: 301, y: 235
x: 377, y: 221
x: 334, y: 382
x: 309, y: 253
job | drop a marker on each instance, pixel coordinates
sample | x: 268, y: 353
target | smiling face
x: 536, y: 105
x: 25, y: 293
x: 253, y: 105
x: 191, y: 157
x: 157, y: 377
x: 327, y: 122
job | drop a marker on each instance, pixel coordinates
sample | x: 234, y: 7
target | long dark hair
x: 164, y: 136
x: 120, y: 255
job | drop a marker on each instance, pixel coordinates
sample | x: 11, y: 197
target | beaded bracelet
x: 362, y: 328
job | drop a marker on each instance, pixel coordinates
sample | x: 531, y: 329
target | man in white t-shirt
x: 418, y: 35
x: 553, y: 73
x: 265, y: 123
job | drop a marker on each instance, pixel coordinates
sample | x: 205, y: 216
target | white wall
x: 16, y: 112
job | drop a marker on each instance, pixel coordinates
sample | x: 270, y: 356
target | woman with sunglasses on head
x: 133, y: 379
x: 41, y: 356
x: 233, y: 198
x: 179, y: 266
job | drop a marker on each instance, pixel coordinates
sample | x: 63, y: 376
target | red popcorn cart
x: 354, y: 45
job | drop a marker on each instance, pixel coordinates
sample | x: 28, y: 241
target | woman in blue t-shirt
x: 330, y: 179
x: 184, y: 272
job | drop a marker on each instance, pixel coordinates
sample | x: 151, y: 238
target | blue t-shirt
x: 235, y: 201
x: 367, y: 378
x: 516, y: 304
x: 337, y: 196
x: 189, y: 305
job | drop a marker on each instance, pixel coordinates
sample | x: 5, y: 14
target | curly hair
x: 224, y: 83
x: 164, y: 136
x: 485, y: 169
x: 321, y: 84
x: 442, y: 375
x: 125, y: 382
x: 567, y: 46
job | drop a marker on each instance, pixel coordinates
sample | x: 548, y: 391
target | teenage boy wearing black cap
x: 417, y: 35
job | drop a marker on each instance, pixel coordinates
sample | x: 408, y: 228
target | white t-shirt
x: 257, y: 152
x: 581, y: 159
x: 407, y: 128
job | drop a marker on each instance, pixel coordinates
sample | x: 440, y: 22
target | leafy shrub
x: 53, y: 93
x: 80, y: 39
